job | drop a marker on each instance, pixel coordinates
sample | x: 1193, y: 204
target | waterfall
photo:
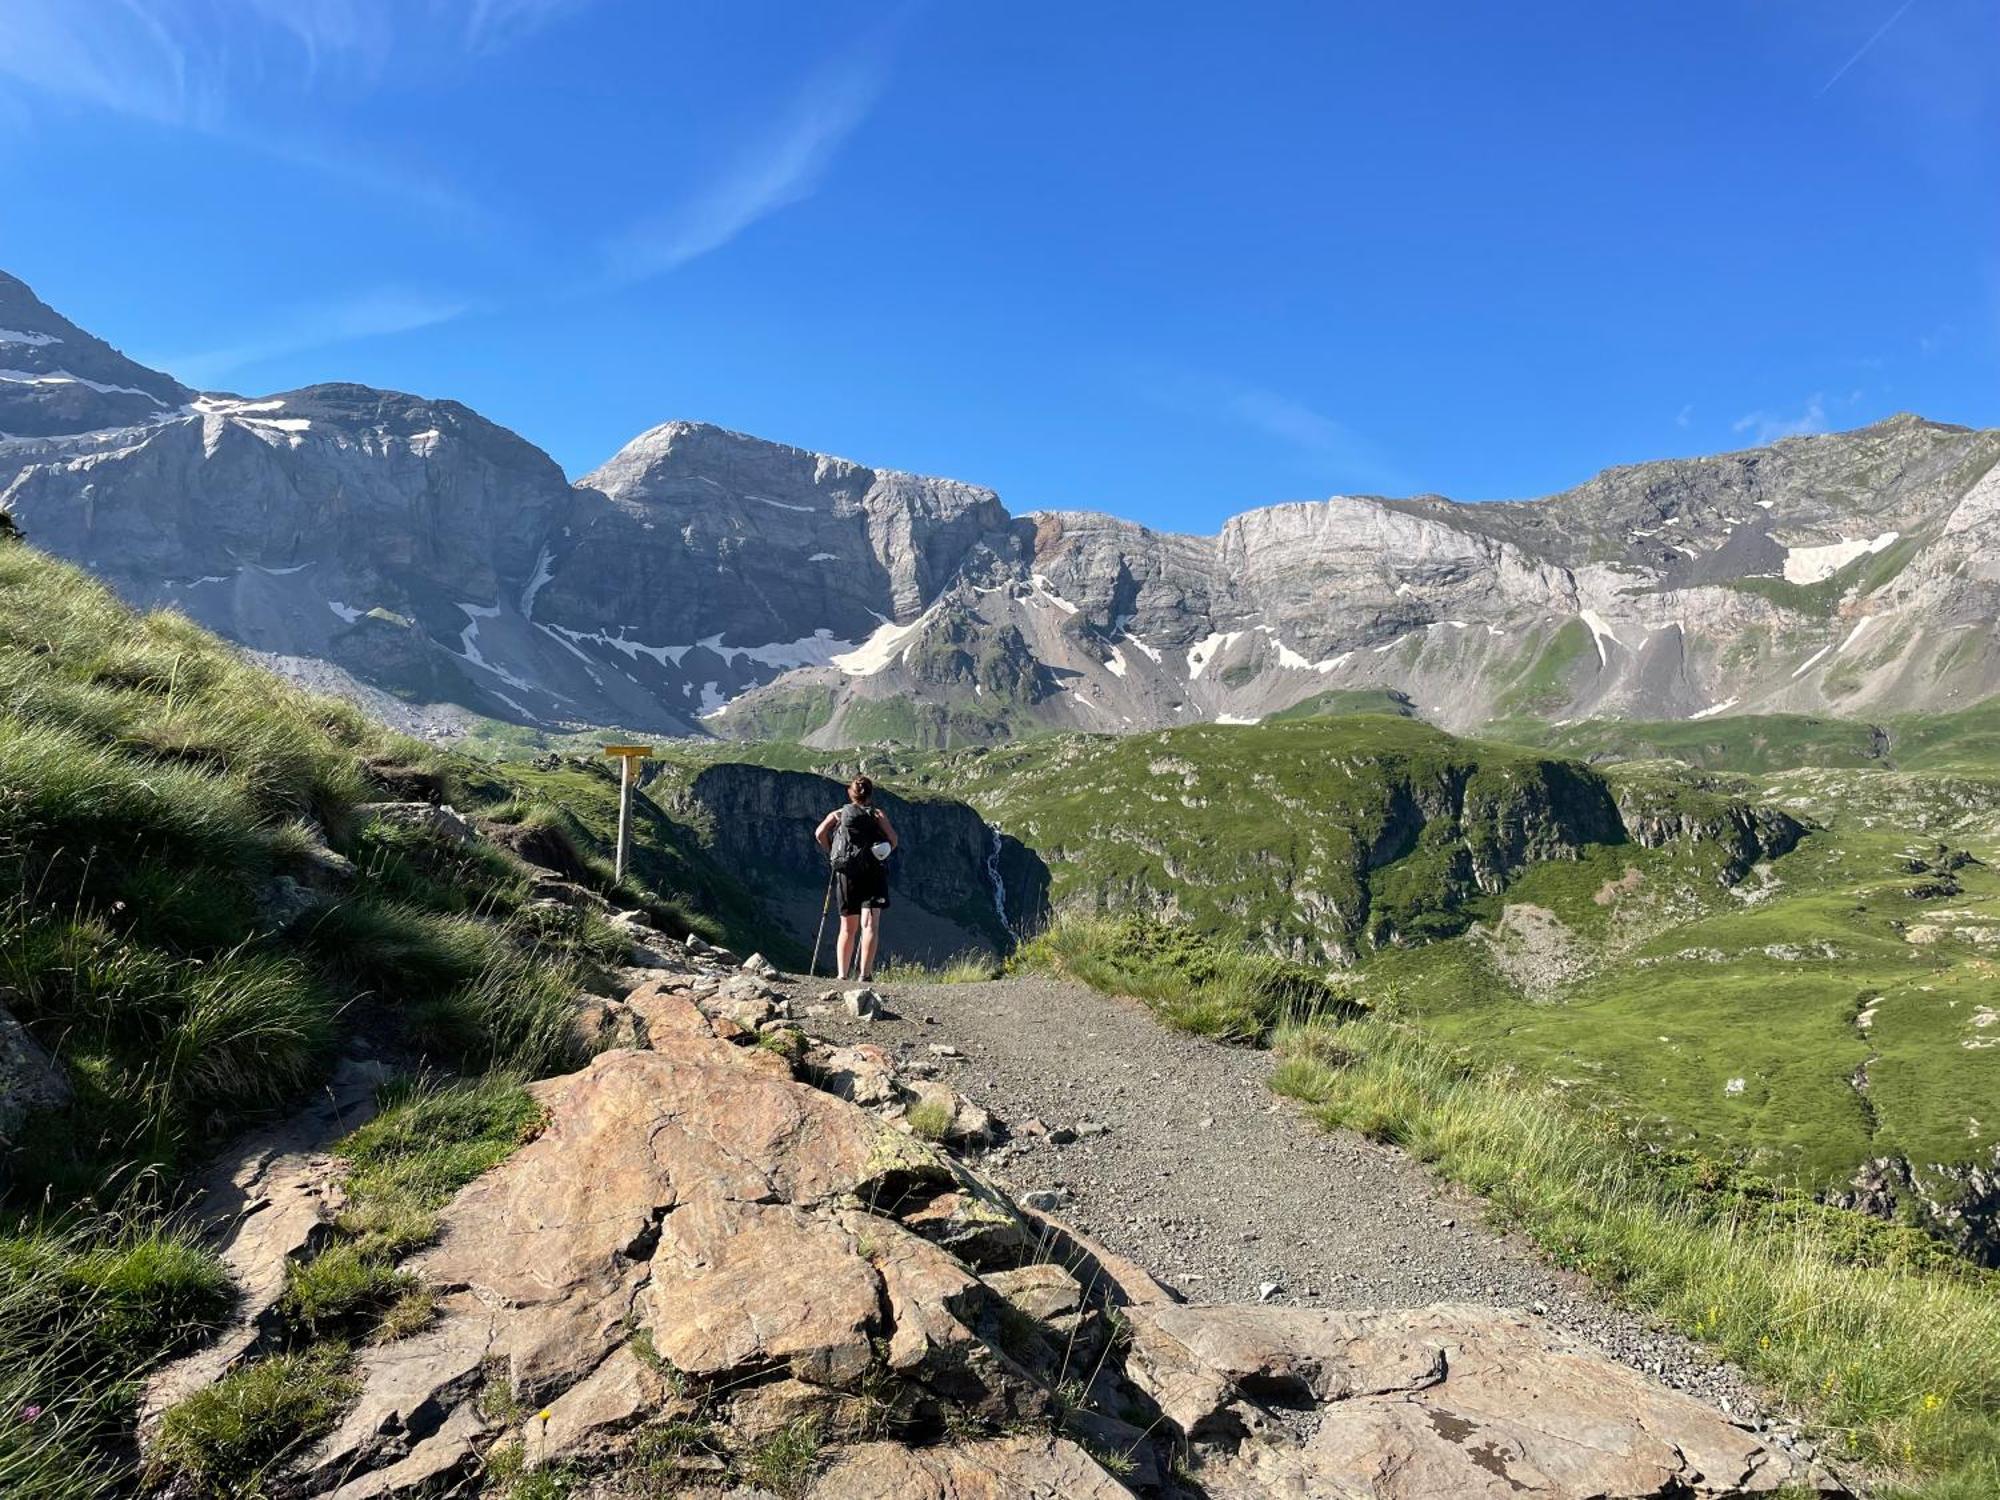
x: 999, y: 885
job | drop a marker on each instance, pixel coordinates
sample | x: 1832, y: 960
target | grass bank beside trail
x: 197, y: 913
x: 1194, y: 983
x: 1890, y: 1345
x: 1884, y: 1340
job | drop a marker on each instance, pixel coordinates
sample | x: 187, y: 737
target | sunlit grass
x: 1891, y: 1347
x: 1194, y: 983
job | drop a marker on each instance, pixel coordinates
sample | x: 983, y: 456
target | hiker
x: 858, y: 839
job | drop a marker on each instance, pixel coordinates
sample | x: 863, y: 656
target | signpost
x: 628, y: 777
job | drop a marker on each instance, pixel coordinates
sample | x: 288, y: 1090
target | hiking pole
x: 825, y: 906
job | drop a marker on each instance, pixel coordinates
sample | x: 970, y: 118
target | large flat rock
x: 1422, y: 1403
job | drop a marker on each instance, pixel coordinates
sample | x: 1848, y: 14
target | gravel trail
x: 1223, y: 1189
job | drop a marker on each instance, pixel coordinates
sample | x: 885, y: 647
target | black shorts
x: 864, y: 888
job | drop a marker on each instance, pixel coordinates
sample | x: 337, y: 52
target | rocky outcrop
x: 269, y: 1202
x: 1742, y: 834
x: 1956, y: 1202
x: 727, y: 1242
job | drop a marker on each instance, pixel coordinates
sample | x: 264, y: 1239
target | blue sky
x: 1168, y: 261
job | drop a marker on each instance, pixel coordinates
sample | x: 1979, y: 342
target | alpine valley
x: 1629, y: 858
x: 407, y: 553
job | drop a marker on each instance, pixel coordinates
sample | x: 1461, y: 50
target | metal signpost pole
x: 629, y: 757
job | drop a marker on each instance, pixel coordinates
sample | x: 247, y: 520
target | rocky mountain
x: 411, y: 554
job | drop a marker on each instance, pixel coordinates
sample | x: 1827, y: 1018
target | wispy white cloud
x: 783, y: 166
x: 371, y: 314
x: 491, y: 24
x: 1862, y: 51
x: 230, y: 69
x: 1768, y: 426
x: 1685, y: 416
x: 1326, y: 447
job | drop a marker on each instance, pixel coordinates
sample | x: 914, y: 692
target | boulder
x: 30, y: 1079
x: 760, y: 966
x: 862, y: 1074
x: 667, y: 1010
x: 1045, y: 1292
x: 598, y: 1025
x: 741, y: 1285
x: 965, y: 1124
x: 975, y: 1223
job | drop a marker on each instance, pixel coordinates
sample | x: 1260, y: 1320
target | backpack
x: 853, y: 838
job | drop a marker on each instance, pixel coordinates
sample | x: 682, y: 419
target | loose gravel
x: 1184, y: 1160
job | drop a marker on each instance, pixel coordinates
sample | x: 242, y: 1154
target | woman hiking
x: 859, y: 839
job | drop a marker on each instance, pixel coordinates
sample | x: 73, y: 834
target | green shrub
x: 970, y: 967
x: 428, y: 1141
x: 786, y: 1462
x: 399, y: 949
x: 930, y: 1119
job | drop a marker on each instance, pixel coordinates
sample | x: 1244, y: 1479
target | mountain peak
x: 56, y: 379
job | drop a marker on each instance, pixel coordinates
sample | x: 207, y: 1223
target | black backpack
x: 854, y: 836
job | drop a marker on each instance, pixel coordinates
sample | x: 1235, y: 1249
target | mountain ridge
x: 438, y: 566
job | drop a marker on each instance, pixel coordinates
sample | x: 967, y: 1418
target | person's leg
x: 871, y: 937
x: 843, y: 948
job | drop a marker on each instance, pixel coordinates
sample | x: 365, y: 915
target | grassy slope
x: 1676, y: 988
x: 1336, y: 701
x: 1966, y: 739
x: 155, y: 793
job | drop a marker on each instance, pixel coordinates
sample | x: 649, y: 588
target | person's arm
x: 823, y: 835
x: 888, y: 829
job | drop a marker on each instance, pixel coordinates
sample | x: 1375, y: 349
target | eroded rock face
x: 406, y: 551
x: 270, y: 1201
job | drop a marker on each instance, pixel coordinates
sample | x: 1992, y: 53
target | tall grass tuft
x: 1195, y: 983
x: 970, y: 967
x: 83, y: 1309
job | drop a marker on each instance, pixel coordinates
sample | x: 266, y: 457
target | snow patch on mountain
x: 1813, y: 564
x: 63, y: 377
x: 882, y: 648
